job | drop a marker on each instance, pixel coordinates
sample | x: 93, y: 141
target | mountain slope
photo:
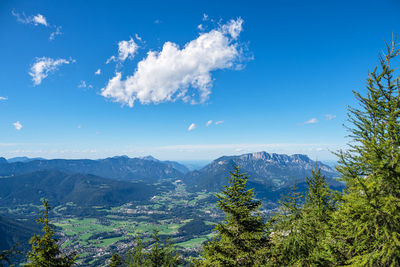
x: 14, y: 231
x: 60, y: 188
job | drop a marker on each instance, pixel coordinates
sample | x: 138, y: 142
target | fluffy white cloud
x: 3, y: 98
x: 192, y: 127
x: 311, y: 121
x: 219, y: 122
x: 43, y: 66
x: 98, y: 72
x: 169, y: 74
x: 17, y: 125
x: 209, y: 123
x: 126, y: 49
x: 329, y: 117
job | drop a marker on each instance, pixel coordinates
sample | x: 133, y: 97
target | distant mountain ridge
x: 273, y: 171
x: 176, y: 165
x: 121, y: 167
x: 22, y: 159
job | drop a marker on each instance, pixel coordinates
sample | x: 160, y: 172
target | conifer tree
x: 45, y: 250
x: 137, y: 257
x: 299, y: 232
x: 6, y: 255
x: 242, y: 238
x: 369, y: 215
x: 285, y: 245
x: 160, y: 255
x: 115, y: 260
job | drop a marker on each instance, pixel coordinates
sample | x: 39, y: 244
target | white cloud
x: 126, y: 49
x: 330, y: 117
x: 205, y: 17
x: 138, y: 37
x: 169, y: 74
x: 43, y: 66
x: 209, y: 123
x: 17, y: 125
x: 36, y: 20
x: 79, y: 126
x: 157, y: 21
x: 98, y: 72
x: 219, y: 122
x: 311, y: 121
x: 192, y: 127
x: 55, y: 33
x: 233, y: 27
x: 40, y: 19
x: 82, y: 84
x: 3, y: 98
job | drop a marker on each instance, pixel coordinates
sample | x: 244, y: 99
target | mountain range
x: 121, y: 167
x: 66, y: 180
x: 272, y: 170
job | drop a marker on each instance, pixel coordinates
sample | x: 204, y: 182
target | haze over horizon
x: 184, y: 81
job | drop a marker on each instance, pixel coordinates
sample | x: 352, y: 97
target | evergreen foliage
x: 300, y: 230
x: 369, y: 214
x: 242, y: 238
x: 160, y: 255
x: 6, y: 255
x: 45, y: 250
x: 115, y: 260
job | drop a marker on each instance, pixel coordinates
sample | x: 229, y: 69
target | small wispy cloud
x: 208, y: 123
x: 311, y: 121
x: 17, y: 125
x: 205, y: 17
x: 219, y: 122
x: 138, y: 37
x: 98, y: 72
x: 157, y: 21
x: 55, y: 33
x: 2, y: 98
x: 192, y: 127
x: 82, y: 84
x: 37, y: 20
x: 330, y: 117
x: 44, y: 66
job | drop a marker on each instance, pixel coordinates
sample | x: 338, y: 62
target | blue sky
x: 270, y: 75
